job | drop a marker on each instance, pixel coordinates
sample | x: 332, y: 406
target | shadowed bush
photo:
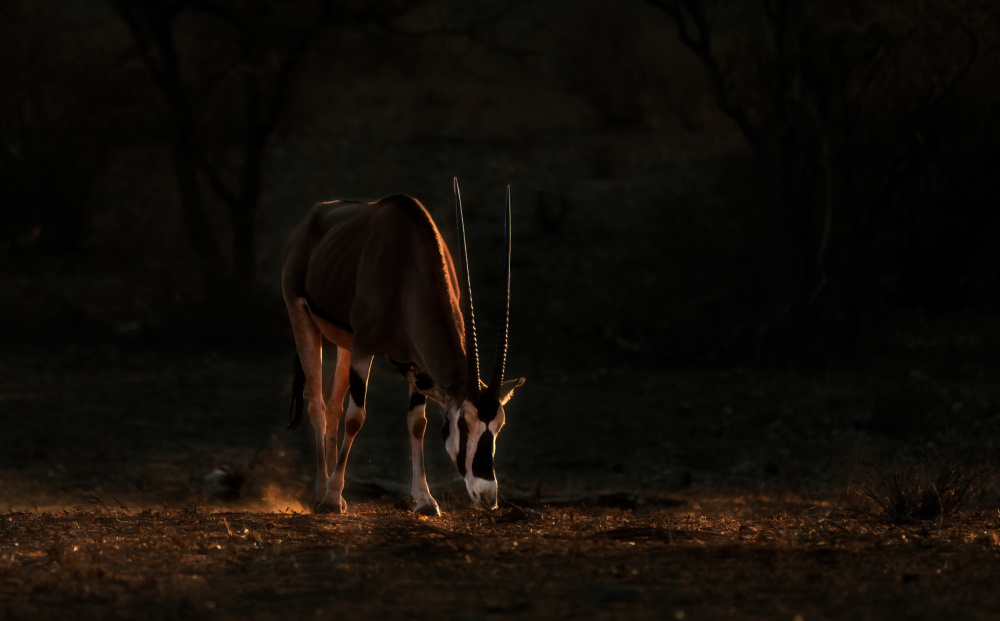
x: 927, y: 488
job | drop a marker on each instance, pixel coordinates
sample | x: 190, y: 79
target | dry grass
x: 924, y: 488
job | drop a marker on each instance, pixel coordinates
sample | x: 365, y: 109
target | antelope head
x: 474, y: 418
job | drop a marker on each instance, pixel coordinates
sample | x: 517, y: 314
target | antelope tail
x: 298, y: 396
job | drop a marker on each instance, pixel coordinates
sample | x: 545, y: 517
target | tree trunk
x: 196, y: 223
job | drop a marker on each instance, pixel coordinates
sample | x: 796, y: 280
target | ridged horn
x: 468, y: 314
x: 500, y: 356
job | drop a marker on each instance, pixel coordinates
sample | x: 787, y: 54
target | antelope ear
x: 507, y: 389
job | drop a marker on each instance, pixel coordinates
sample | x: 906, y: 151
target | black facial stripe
x: 482, y: 461
x: 463, y: 440
x: 358, y: 388
x: 417, y: 400
x: 488, y: 409
x: 446, y: 430
x: 424, y: 381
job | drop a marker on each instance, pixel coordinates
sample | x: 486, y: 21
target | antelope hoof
x: 331, y: 507
x: 430, y: 510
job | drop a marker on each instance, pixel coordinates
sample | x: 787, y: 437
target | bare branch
x: 931, y: 101
x: 694, y: 32
x: 279, y: 94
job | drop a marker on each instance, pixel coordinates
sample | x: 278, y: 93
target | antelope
x: 377, y: 278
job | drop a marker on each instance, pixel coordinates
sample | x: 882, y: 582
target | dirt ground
x: 729, y: 558
x: 678, y: 494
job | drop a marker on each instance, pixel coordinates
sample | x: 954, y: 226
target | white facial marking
x: 483, y: 492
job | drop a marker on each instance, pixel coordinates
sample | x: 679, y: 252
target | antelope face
x: 470, y: 433
x: 473, y: 422
x: 470, y: 438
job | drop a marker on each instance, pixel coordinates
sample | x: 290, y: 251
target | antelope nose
x: 483, y: 493
x: 489, y: 497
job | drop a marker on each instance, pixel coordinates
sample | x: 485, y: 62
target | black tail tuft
x: 298, y: 396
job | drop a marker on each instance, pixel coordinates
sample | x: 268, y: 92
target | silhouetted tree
x: 853, y: 110
x: 53, y: 137
x: 225, y: 70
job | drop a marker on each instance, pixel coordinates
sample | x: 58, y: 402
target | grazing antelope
x: 377, y: 278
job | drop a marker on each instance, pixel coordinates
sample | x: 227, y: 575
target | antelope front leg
x: 309, y: 346
x: 333, y: 500
x: 416, y: 422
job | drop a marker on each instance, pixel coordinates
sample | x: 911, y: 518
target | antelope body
x: 377, y: 278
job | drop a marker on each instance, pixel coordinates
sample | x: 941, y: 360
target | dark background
x: 698, y: 188
x: 770, y: 182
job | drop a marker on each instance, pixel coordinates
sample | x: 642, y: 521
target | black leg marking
x: 417, y: 400
x: 358, y: 388
x: 482, y: 461
x: 463, y: 440
x: 446, y: 430
x: 419, y: 426
x: 352, y: 427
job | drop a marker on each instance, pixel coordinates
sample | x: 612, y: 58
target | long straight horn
x: 468, y: 314
x: 500, y: 357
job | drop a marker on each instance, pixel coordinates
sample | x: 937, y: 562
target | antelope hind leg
x: 309, y: 345
x: 333, y: 501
